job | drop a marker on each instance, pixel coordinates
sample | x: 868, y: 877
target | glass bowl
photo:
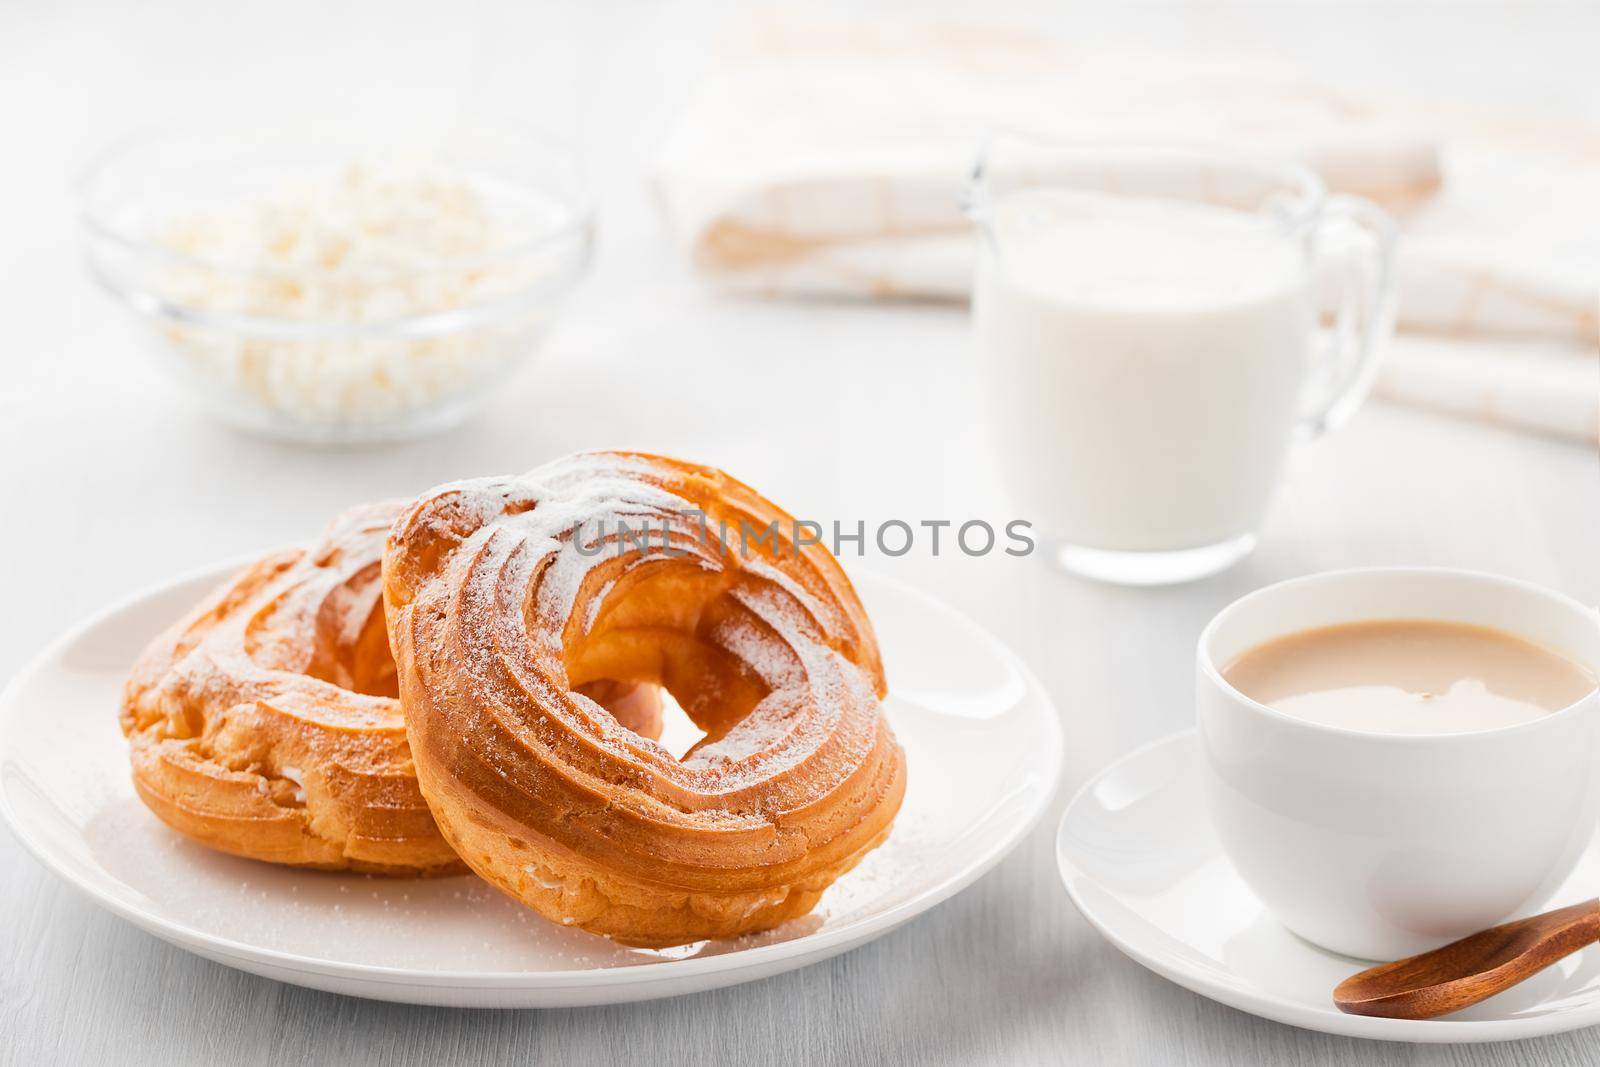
x: 332, y: 283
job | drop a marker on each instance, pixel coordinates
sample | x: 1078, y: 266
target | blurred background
x: 854, y: 408
x: 848, y: 409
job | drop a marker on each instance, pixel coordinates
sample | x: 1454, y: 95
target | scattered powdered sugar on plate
x: 971, y: 784
x: 453, y: 923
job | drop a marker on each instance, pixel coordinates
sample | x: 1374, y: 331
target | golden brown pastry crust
x: 506, y: 594
x: 264, y: 724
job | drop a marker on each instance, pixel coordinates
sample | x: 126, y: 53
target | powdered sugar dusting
x: 518, y: 573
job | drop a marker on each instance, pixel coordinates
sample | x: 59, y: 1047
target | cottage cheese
x: 369, y: 247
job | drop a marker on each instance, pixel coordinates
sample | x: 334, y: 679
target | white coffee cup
x: 1147, y: 319
x: 1380, y: 846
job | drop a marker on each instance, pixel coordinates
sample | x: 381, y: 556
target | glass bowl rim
x: 579, y: 205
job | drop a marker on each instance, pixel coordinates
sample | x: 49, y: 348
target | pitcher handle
x: 1364, y: 317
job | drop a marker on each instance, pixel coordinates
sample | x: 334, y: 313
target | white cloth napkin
x: 823, y: 159
x: 1540, y: 386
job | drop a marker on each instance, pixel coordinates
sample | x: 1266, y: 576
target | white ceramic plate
x: 1139, y: 858
x: 983, y: 751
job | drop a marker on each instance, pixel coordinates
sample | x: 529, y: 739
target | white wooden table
x: 108, y: 483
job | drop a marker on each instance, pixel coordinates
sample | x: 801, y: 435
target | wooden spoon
x: 1467, y: 971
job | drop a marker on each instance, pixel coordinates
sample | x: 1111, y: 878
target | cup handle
x: 1363, y: 237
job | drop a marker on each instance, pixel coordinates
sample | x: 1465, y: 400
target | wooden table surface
x: 109, y: 483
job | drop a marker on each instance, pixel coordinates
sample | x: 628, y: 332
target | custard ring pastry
x: 265, y: 723
x: 505, y: 595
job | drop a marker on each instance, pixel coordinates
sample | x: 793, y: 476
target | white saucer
x: 983, y: 751
x: 1140, y: 860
